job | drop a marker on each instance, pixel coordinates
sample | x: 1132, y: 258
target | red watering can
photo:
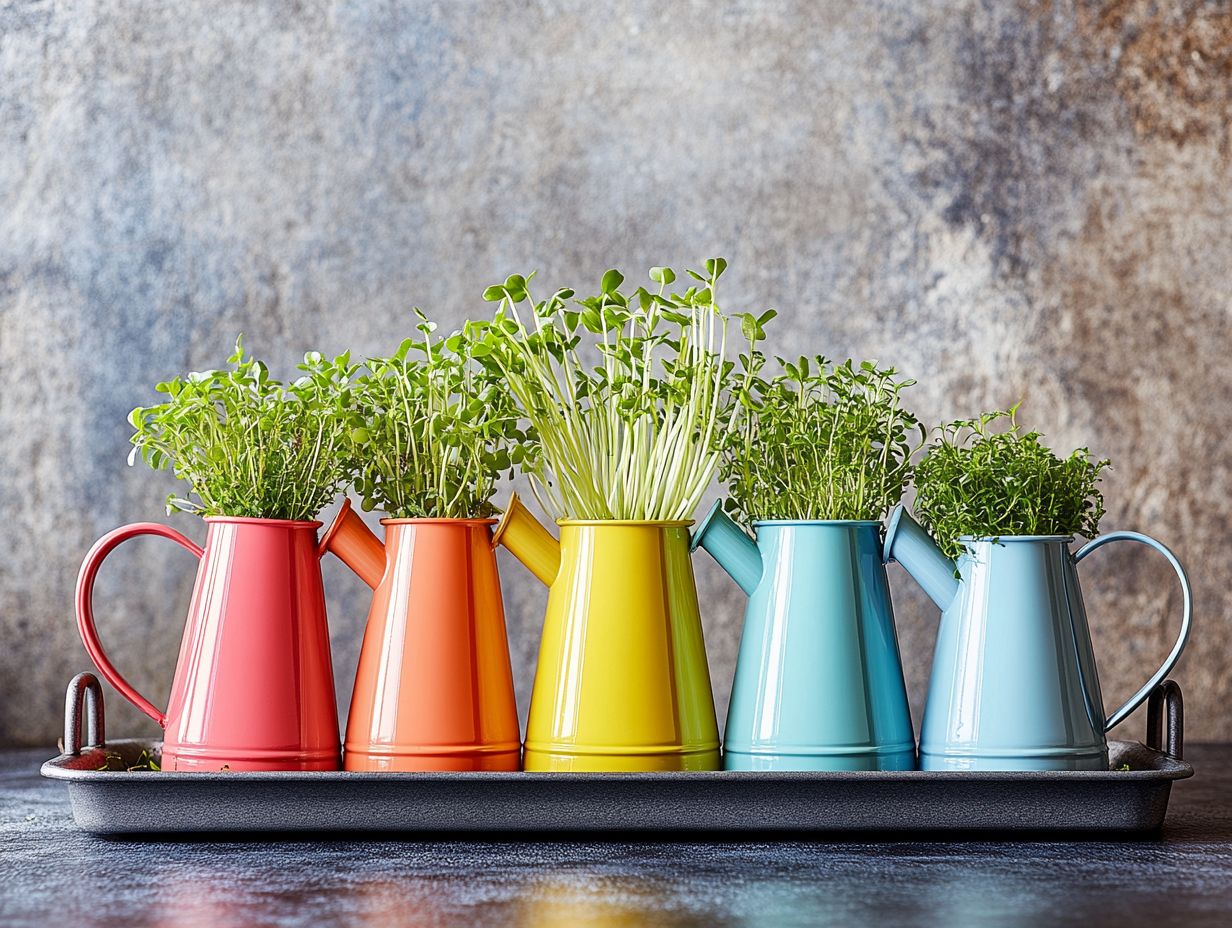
x: 254, y: 685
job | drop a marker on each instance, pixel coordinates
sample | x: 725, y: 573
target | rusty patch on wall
x: 1171, y: 63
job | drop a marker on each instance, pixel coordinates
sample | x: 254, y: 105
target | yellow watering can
x: 622, y: 682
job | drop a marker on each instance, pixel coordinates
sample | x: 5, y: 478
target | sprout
x: 818, y: 442
x: 977, y: 482
x: 245, y: 445
x: 626, y: 392
x: 436, y: 431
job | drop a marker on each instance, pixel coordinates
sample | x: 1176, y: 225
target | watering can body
x: 1014, y: 684
x: 253, y: 687
x: 819, y: 681
x: 434, y: 686
x: 622, y: 682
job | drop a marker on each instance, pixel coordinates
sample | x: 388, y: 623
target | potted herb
x: 254, y: 687
x: 822, y: 442
x: 434, y: 433
x: 980, y: 482
x: 246, y: 445
x: 821, y: 455
x: 626, y: 393
x: 1014, y: 683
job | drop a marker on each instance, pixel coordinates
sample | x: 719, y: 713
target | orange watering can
x: 434, y: 688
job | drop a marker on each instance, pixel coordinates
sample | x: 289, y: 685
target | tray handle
x: 1166, y: 698
x: 83, y: 689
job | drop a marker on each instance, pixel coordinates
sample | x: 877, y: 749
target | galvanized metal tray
x: 107, y: 798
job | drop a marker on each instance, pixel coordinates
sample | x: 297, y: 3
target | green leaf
x: 751, y: 329
x: 612, y: 281
x: 515, y: 286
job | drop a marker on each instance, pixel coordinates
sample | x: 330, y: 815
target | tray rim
x: 58, y: 768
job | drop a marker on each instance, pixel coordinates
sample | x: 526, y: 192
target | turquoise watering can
x: 1013, y: 684
x: 819, y: 683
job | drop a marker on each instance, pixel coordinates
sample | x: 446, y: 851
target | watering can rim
x: 717, y: 506
x: 515, y: 499
x: 429, y: 520
x: 998, y: 539
x: 757, y: 522
x: 242, y: 520
x: 659, y: 523
x: 900, y: 510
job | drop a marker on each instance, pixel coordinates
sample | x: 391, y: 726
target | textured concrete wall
x: 1009, y: 201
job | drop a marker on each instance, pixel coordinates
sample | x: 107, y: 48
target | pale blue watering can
x: 819, y: 683
x: 1014, y: 685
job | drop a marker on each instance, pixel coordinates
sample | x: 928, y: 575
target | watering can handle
x: 85, y: 604
x: 1170, y: 661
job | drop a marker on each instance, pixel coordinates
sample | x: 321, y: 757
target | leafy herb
x: 977, y: 482
x: 819, y: 442
x: 248, y: 446
x: 625, y: 392
x: 435, y: 431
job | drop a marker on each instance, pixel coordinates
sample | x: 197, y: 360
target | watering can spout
x: 731, y: 546
x: 529, y: 541
x: 907, y: 542
x: 354, y: 544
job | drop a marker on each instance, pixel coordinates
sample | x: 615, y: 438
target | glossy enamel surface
x: 253, y: 687
x: 434, y: 686
x: 622, y: 682
x: 819, y: 682
x: 1014, y: 684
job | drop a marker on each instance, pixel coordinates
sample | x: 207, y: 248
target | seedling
x: 978, y: 482
x: 626, y: 392
x: 246, y: 445
x: 435, y: 431
x: 818, y: 441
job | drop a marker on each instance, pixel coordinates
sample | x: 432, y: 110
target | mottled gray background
x: 1006, y: 200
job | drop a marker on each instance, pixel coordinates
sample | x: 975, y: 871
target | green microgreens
x: 977, y: 482
x: 634, y: 435
x: 436, y: 431
x: 115, y: 762
x: 819, y: 442
x: 246, y: 445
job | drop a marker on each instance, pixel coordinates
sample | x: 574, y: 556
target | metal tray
x: 117, y: 801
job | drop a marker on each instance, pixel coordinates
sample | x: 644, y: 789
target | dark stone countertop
x: 50, y: 874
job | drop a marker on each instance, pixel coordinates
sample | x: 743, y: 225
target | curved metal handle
x: 84, y: 688
x: 1166, y: 698
x: 85, y: 604
x: 1170, y: 661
